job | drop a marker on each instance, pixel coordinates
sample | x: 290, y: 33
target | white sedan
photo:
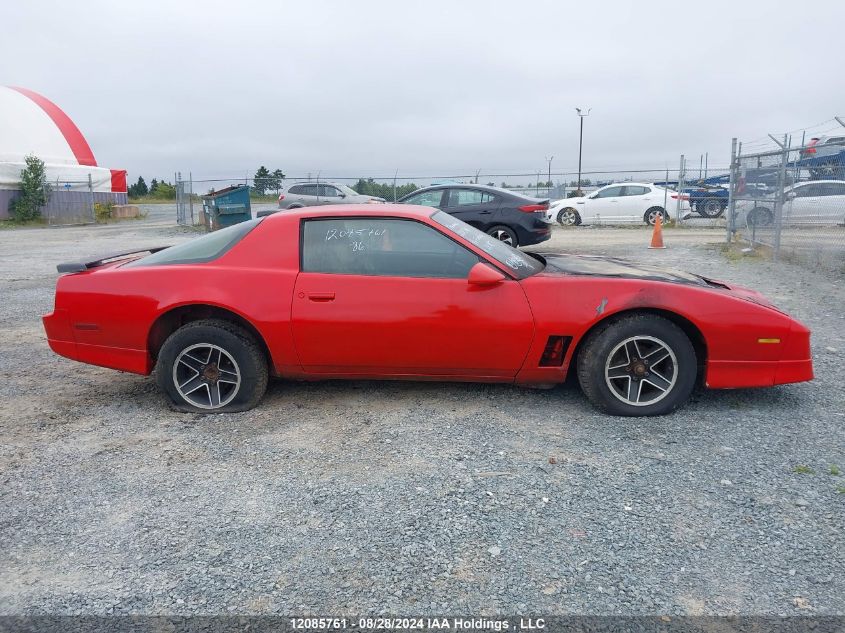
x: 811, y: 202
x: 618, y: 204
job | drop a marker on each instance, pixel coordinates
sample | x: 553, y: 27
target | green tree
x: 274, y: 182
x: 384, y: 190
x: 139, y: 189
x: 163, y: 190
x: 35, y: 191
x: 153, y: 186
x: 259, y: 180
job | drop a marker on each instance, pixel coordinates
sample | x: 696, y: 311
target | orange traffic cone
x: 657, y: 234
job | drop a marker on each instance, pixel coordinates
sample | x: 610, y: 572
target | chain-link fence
x: 689, y: 197
x: 791, y: 200
x: 71, y: 202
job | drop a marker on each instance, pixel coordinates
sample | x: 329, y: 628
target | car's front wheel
x: 637, y: 365
x: 650, y: 216
x: 568, y: 217
x: 212, y: 366
x: 504, y: 234
x: 760, y: 216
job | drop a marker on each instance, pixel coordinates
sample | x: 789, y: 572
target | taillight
x: 682, y: 196
x: 281, y: 197
x: 533, y: 208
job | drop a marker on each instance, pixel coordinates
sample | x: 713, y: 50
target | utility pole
x: 581, y: 144
x: 549, y: 160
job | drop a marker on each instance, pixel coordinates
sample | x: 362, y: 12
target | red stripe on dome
x: 78, y: 145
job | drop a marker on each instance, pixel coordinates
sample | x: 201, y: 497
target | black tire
x: 650, y: 216
x: 504, y: 234
x: 605, y: 346
x: 710, y: 208
x: 568, y: 217
x: 760, y: 216
x: 243, y: 357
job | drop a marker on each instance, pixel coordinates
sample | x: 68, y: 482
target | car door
x: 329, y: 194
x: 475, y: 207
x: 803, y: 204
x: 635, y: 200
x: 388, y: 296
x: 605, y: 205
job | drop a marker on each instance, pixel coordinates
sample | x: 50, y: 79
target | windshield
x: 519, y: 263
x: 347, y: 190
x: 199, y: 249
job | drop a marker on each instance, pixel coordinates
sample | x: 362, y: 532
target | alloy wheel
x: 641, y: 370
x: 206, y: 376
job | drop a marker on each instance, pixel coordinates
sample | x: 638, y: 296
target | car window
x: 430, y: 198
x: 200, y: 249
x: 809, y: 191
x: 512, y: 259
x: 329, y: 192
x: 610, y: 192
x: 835, y: 139
x: 635, y: 190
x: 311, y: 190
x: 296, y: 190
x: 460, y: 197
x: 386, y: 247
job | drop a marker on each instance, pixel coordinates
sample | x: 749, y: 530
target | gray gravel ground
x: 371, y: 497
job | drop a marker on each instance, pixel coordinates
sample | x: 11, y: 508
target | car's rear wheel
x: 760, y: 216
x: 504, y: 234
x: 650, y: 216
x: 637, y: 365
x: 568, y: 217
x: 710, y: 208
x: 212, y: 366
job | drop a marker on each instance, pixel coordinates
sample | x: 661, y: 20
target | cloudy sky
x: 426, y: 88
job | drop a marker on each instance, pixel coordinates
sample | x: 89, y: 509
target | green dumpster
x: 226, y: 207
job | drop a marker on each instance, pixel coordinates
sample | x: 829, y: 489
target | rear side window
x: 460, y: 197
x: 296, y: 190
x: 384, y: 247
x: 200, y: 249
x: 635, y: 190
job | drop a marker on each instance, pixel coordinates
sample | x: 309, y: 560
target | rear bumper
x: 535, y: 235
x: 62, y: 342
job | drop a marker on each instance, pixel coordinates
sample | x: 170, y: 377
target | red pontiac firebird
x: 398, y: 291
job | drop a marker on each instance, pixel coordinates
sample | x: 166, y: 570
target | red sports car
x: 397, y: 291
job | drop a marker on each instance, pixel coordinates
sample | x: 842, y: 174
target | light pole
x: 549, y: 160
x: 581, y: 144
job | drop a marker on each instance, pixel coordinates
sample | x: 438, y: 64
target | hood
x: 598, y: 266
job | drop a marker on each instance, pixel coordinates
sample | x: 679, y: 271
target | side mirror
x: 483, y: 275
x: 341, y: 195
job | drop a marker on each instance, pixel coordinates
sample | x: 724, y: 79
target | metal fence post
x: 91, y: 196
x: 780, y: 197
x: 731, y: 195
x: 191, y: 195
x: 681, y: 177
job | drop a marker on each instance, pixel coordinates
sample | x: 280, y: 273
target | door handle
x: 321, y: 296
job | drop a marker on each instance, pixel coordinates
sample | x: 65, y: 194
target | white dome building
x: 32, y: 124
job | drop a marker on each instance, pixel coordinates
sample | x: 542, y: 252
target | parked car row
x: 512, y: 218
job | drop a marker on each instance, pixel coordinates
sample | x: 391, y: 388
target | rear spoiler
x: 78, y: 267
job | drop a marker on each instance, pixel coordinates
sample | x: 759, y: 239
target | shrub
x: 35, y: 191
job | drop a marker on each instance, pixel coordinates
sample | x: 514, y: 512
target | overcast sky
x: 428, y: 88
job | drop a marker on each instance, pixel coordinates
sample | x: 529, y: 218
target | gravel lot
x: 415, y: 498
